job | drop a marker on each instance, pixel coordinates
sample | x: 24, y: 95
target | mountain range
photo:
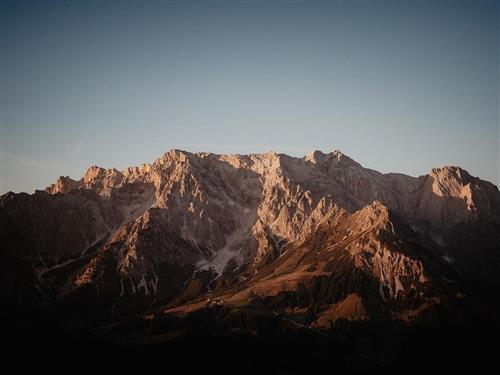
x: 200, y: 244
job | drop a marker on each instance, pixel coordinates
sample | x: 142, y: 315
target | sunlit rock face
x: 320, y: 233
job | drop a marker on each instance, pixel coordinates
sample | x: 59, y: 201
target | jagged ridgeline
x: 310, y: 241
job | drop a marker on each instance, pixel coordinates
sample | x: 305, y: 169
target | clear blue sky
x: 398, y: 86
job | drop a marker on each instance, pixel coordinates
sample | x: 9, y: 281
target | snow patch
x: 277, y: 245
x: 132, y: 285
x: 154, y: 283
x: 122, y: 292
x: 143, y: 284
x: 381, y: 284
x: 232, y: 248
x: 220, y: 261
x: 448, y: 259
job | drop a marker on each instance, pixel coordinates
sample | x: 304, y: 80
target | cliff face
x: 320, y: 232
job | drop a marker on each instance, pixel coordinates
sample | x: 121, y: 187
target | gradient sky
x: 398, y: 86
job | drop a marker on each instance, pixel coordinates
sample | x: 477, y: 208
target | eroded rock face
x: 306, y: 232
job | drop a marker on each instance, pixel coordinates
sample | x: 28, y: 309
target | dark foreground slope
x: 350, y: 348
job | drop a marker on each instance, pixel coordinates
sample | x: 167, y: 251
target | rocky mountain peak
x: 452, y: 174
x: 375, y: 214
x: 315, y: 156
x: 63, y: 184
x: 101, y: 176
x: 453, y: 182
x: 337, y: 153
x: 341, y: 157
